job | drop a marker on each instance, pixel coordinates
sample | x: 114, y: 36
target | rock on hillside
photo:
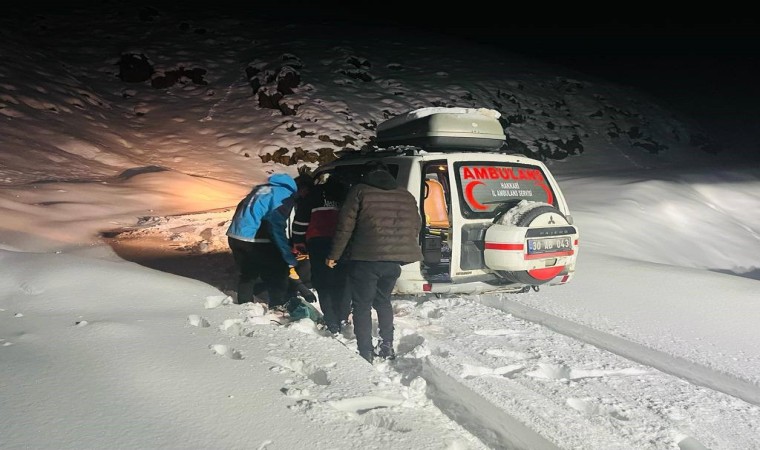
x: 239, y: 87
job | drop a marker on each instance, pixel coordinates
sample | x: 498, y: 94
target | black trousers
x: 371, y: 285
x: 264, y: 260
x: 331, y: 284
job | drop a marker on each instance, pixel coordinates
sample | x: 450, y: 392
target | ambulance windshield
x: 483, y: 186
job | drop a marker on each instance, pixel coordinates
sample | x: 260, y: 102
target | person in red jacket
x: 312, y: 231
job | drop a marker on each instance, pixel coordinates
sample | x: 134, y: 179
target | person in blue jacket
x: 258, y: 238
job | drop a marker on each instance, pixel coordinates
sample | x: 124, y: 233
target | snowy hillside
x: 128, y: 133
x: 205, y: 89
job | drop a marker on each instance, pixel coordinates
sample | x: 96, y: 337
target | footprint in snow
x: 215, y: 301
x: 686, y: 442
x: 507, y: 353
x: 306, y: 326
x: 410, y: 343
x: 233, y: 327
x: 562, y: 372
x: 551, y: 372
x: 361, y: 405
x: 373, y: 411
x: 265, y: 444
x: 470, y: 371
x: 197, y: 321
x: 590, y: 407
x: 255, y: 309
x: 301, y: 367
x: 225, y: 351
x: 501, y: 332
x: 257, y: 313
x: 381, y: 419
x: 31, y: 289
x: 296, y: 393
x: 430, y: 312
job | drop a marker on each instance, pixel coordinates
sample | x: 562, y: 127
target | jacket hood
x: 283, y: 180
x: 380, y: 179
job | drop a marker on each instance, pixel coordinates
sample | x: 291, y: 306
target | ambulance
x: 492, y: 221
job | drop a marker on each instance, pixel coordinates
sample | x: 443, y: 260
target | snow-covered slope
x: 211, y: 95
x: 647, y: 348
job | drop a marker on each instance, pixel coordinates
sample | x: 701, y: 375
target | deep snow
x: 653, y: 345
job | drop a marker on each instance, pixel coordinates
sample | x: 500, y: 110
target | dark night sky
x: 706, y: 71
x: 705, y: 65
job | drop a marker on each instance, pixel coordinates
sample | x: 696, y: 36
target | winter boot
x: 385, y: 350
x: 347, y: 329
x: 334, y: 329
x: 369, y: 356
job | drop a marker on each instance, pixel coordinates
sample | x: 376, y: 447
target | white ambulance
x: 492, y: 221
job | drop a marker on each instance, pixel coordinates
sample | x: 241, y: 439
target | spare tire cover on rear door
x: 525, y: 215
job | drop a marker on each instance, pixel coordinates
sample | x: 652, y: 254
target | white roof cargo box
x: 444, y: 128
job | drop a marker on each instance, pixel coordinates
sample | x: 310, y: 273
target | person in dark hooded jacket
x: 377, y: 231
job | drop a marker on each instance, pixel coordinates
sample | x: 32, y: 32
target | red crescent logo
x: 549, y: 196
x: 470, y: 198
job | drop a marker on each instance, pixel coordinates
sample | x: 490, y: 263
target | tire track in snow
x: 673, y: 365
x: 493, y: 425
x: 492, y: 370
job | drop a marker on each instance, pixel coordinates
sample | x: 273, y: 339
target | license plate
x: 549, y: 245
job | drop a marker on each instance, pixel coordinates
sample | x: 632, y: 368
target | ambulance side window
x: 437, y: 194
x: 438, y: 171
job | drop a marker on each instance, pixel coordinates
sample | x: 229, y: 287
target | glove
x: 303, y: 291
x: 299, y: 248
x: 293, y: 275
x: 307, y: 294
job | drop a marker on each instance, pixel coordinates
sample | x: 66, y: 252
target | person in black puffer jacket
x: 377, y: 231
